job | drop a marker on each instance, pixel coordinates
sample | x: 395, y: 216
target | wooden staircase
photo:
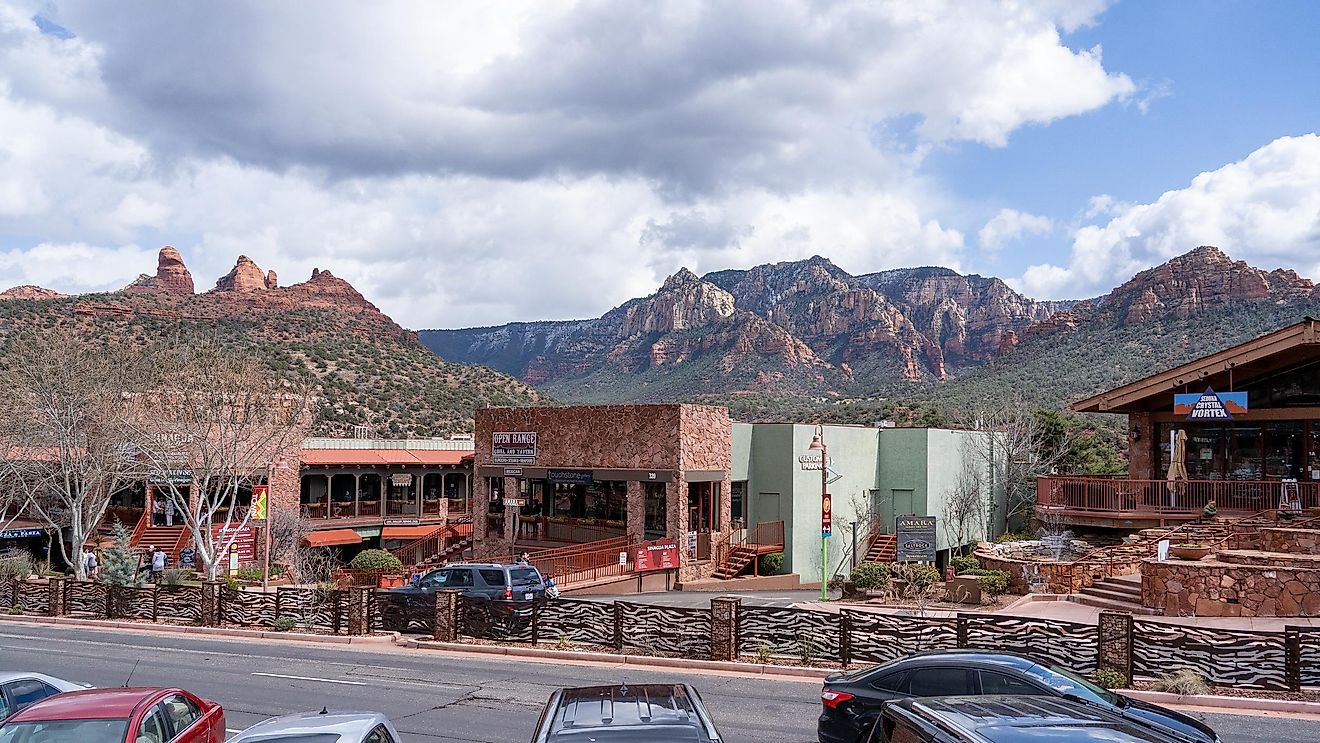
x: 734, y: 556
x: 442, y: 545
x: 737, y: 561
x: 884, y: 548
x: 172, y: 539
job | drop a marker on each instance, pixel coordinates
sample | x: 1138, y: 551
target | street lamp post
x: 818, y: 444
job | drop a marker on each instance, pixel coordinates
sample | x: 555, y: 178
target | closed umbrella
x: 1177, y: 467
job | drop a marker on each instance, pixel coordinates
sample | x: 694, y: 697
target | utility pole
x: 826, y: 509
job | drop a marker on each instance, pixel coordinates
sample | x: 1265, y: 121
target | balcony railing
x: 1105, y: 495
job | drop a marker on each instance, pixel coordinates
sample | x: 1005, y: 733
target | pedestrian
x: 89, y: 563
x: 524, y: 559
x: 144, y: 559
x: 158, y: 559
x: 158, y: 512
x: 169, y: 513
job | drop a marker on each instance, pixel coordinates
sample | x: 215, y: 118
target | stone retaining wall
x: 1296, y: 541
x: 1060, y: 577
x: 1209, y: 588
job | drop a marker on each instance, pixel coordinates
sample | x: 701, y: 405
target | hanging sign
x: 915, y: 538
x: 260, y: 496
x: 812, y: 461
x: 22, y: 533
x: 401, y: 480
x: 513, y: 447
x: 1210, y: 405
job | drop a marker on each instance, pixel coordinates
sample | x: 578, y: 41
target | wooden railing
x: 761, y: 538
x: 414, y: 552
x: 579, y: 563
x: 143, y: 521
x: 1120, y: 496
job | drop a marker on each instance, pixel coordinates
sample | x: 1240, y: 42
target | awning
x: 407, y: 532
x: 330, y: 537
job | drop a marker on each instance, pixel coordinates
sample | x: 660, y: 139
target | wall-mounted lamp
x: 1136, y: 433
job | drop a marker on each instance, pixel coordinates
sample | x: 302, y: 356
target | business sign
x: 515, y: 502
x: 400, y: 522
x: 812, y: 461
x: 692, y: 544
x: 187, y: 557
x: 260, y: 497
x: 245, y: 541
x: 826, y: 515
x: 1210, y: 405
x: 916, y: 538
x: 513, y: 447
x: 513, y: 471
x: 570, y: 477
x: 401, y: 480
x: 171, y: 477
x: 660, y: 554
x: 22, y: 533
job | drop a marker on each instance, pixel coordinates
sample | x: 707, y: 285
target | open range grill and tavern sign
x: 513, y: 447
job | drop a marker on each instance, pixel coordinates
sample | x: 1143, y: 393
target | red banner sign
x: 826, y: 515
x: 661, y: 554
x: 245, y: 542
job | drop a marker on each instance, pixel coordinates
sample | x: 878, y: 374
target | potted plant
x: 1189, y: 550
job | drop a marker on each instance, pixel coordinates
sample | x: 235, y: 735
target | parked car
x: 507, y: 583
x: 998, y: 718
x: 322, y: 727
x: 851, y: 701
x: 144, y: 715
x: 19, y: 689
x: 649, y: 713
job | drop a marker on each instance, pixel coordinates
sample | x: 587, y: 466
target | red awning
x: 328, y: 537
x: 407, y: 532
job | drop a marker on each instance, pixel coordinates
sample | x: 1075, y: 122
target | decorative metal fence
x: 1224, y: 657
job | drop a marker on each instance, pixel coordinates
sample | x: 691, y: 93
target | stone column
x: 636, y: 511
x: 511, y: 490
x: 359, y: 610
x: 446, y: 616
x: 55, y: 600
x: 724, y: 627
x: 1114, y: 635
x: 1142, y: 447
x: 480, y: 511
x: 211, y: 604
x: 357, y: 488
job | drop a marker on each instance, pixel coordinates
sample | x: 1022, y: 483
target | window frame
x: 982, y: 673
x: 384, y: 732
x: 197, y: 711
x: 13, y: 700
x: 968, y: 681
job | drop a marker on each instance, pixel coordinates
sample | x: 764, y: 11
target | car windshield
x: 1066, y: 682
x: 83, y: 731
x: 524, y: 576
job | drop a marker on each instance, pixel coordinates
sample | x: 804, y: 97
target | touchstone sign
x: 916, y: 538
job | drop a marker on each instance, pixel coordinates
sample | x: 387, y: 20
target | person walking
x: 169, y: 513
x: 89, y: 563
x: 158, y: 559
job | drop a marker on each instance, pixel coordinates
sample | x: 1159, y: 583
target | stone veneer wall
x: 1209, y: 588
x: 1060, y: 577
x: 1296, y: 541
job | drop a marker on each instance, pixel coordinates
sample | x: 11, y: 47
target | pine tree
x: 119, y: 564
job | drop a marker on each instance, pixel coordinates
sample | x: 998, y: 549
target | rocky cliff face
x: 28, y: 291
x: 245, y: 277
x: 810, y: 327
x: 172, y: 276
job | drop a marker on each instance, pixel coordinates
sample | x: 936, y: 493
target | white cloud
x: 1010, y: 224
x: 1264, y: 209
x: 480, y: 164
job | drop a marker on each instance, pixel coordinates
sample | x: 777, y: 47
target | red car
x: 151, y: 715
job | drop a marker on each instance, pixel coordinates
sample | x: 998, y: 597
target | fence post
x: 55, y: 598
x: 536, y: 619
x: 618, y: 627
x: 845, y: 638
x: 963, y: 621
x: 446, y: 616
x: 278, y: 602
x: 1114, y: 638
x: 724, y: 611
x: 155, y: 603
x: 1292, y: 657
x: 359, y: 610
x: 211, y: 598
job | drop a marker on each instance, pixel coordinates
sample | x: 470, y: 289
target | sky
x: 467, y: 164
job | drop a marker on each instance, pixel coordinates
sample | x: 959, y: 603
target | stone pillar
x: 636, y: 511
x: 479, y: 510
x: 446, y: 616
x: 357, y: 489
x: 359, y: 610
x: 1142, y: 446
x: 55, y: 600
x: 211, y: 604
x: 724, y: 627
x: 511, y: 490
x: 1114, y: 635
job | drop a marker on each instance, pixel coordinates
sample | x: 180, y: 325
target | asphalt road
x: 431, y: 696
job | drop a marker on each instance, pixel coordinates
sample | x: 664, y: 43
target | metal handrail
x: 1099, y: 494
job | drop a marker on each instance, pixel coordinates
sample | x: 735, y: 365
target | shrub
x: 964, y: 565
x: 1014, y: 536
x: 375, y: 560
x: 283, y: 624
x: 1109, y: 679
x: 249, y: 574
x: 16, y: 564
x: 763, y: 652
x: 771, y: 564
x: 806, y: 642
x: 993, y: 582
x: 871, y: 575
x: 1183, y: 681
x: 174, y: 576
x: 920, y: 575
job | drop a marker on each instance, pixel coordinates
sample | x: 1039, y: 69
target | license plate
x: 527, y: 597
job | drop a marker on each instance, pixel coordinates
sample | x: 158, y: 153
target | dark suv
x: 1008, y: 719
x: 498, y: 582
x: 648, y: 713
x: 851, y: 701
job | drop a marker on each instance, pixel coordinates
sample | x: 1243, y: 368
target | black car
x: 513, y: 582
x: 1008, y: 719
x: 648, y: 713
x: 851, y: 701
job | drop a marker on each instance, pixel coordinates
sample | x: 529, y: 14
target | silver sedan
x: 18, y: 689
x: 322, y: 727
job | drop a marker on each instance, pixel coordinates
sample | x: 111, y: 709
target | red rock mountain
x: 808, y: 327
x: 370, y: 371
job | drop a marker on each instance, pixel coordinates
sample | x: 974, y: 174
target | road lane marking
x: 308, y: 678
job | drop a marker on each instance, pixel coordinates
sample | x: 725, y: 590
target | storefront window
x: 1244, y: 452
x: 1205, y: 453
x: 1283, y: 450
x: 368, y: 495
x: 1314, y: 446
x: 736, y: 500
x: 657, y: 512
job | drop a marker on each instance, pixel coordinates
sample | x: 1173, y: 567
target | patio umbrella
x: 1177, y: 467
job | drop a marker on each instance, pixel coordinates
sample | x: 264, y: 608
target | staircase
x: 736, y: 562
x: 168, y: 538
x: 442, y: 545
x: 883, y: 549
x: 735, y: 555
x: 1119, y: 593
